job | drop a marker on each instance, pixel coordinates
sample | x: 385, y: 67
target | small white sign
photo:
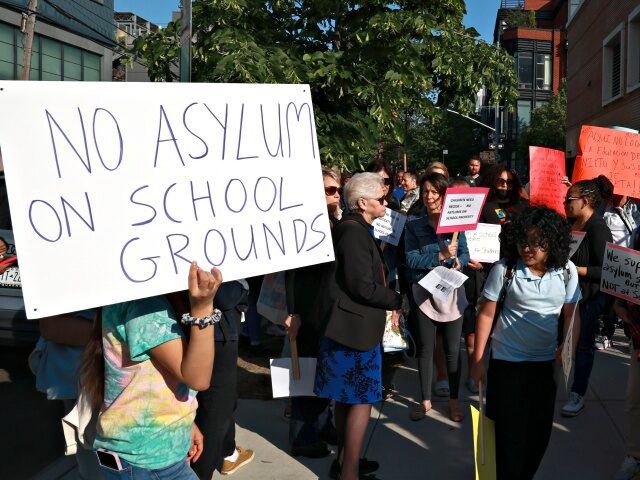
x: 576, y: 240
x: 461, y: 209
x: 484, y: 243
x: 621, y: 273
x: 282, y: 382
x: 441, y: 281
x: 389, y: 228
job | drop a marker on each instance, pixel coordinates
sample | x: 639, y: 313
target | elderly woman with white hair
x: 353, y: 307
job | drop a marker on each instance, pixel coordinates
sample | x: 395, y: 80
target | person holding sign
x: 521, y: 390
x: 504, y: 195
x: 426, y: 250
x: 583, y: 200
x: 353, y: 307
x: 141, y: 373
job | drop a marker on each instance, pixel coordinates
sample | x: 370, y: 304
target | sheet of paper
x: 441, y: 281
x: 282, y: 382
x: 484, y: 243
x: 486, y: 470
x: 576, y: 240
x: 389, y: 228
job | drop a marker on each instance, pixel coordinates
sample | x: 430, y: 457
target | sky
x: 481, y: 14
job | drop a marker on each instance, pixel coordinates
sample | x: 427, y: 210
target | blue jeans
x: 590, y: 310
x: 178, y: 471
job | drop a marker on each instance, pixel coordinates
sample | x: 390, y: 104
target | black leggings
x: 425, y: 346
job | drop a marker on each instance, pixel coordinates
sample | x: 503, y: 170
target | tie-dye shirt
x: 146, y: 417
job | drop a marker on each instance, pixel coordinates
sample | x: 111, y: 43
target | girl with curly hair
x: 521, y: 390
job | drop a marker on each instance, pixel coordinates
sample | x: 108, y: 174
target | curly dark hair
x: 490, y: 180
x: 553, y: 231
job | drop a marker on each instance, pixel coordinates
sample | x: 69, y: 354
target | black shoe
x: 365, y: 467
x: 316, y: 450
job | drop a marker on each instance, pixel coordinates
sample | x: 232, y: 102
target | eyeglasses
x: 532, y: 245
x: 380, y: 200
x: 502, y: 181
x: 331, y: 191
x: 387, y: 181
x: 571, y: 198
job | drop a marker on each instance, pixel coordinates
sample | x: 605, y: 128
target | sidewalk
x: 588, y: 447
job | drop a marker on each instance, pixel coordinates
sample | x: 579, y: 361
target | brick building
x: 533, y: 32
x: 603, y: 73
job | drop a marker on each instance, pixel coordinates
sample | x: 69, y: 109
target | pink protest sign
x: 547, y: 167
x: 461, y: 209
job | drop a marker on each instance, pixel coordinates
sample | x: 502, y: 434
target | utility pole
x: 185, y: 41
x: 28, y: 38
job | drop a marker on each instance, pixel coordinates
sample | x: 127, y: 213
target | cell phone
x: 109, y: 459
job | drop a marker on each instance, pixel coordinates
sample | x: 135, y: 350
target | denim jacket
x: 423, y: 245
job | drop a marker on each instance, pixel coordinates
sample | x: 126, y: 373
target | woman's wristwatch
x: 215, y: 317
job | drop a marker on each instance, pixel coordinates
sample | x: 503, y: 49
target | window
x: 524, y: 62
x: 612, y: 65
x: 633, y: 68
x: 524, y: 114
x: 7, y: 52
x: 543, y: 71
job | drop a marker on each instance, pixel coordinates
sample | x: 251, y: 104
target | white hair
x: 362, y: 185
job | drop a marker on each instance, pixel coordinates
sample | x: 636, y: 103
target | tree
x: 370, y: 65
x: 548, y: 126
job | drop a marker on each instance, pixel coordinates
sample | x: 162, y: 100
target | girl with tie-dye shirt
x: 150, y: 374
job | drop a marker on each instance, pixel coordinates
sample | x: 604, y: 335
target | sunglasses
x: 571, y: 198
x: 379, y: 200
x: 531, y: 245
x: 331, y: 191
x: 387, y: 181
x: 502, y: 181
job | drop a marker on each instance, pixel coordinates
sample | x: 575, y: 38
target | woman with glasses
x: 353, y: 307
x: 583, y: 200
x: 540, y: 283
x: 426, y: 250
x: 310, y: 427
x: 504, y: 198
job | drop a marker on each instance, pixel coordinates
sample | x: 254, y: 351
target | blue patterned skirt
x: 347, y: 375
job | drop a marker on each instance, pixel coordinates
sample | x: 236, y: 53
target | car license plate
x: 10, y: 278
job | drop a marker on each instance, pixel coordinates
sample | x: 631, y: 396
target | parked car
x: 15, y: 329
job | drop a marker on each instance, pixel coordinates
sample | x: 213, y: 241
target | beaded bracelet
x: 215, y: 317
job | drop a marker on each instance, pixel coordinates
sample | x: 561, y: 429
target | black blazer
x: 355, y: 299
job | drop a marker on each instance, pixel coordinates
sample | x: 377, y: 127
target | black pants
x: 310, y: 416
x: 520, y: 400
x: 426, y: 344
x: 215, y: 411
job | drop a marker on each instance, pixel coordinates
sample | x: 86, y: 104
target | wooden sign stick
x: 295, y: 362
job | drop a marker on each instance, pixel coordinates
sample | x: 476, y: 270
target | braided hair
x: 596, y: 191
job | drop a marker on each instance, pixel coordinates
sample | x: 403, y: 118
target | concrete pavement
x: 587, y: 447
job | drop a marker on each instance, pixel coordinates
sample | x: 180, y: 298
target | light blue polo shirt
x: 527, y: 329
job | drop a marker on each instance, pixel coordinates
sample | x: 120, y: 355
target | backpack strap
x: 509, y: 273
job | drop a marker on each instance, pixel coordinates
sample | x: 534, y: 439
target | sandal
x: 419, y: 413
x: 456, y: 413
x: 442, y: 388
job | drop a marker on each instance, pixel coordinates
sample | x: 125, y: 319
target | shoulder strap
x: 508, y: 277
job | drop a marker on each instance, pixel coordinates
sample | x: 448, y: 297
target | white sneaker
x: 629, y: 470
x: 601, y: 342
x: 574, y: 405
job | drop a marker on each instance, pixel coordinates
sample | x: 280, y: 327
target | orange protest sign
x: 545, y: 173
x: 609, y: 152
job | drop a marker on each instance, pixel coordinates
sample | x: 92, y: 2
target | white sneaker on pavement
x: 574, y: 405
x: 629, y: 470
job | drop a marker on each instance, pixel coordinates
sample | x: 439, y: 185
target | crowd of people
x: 165, y: 383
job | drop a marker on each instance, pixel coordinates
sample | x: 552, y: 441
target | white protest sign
x: 389, y: 228
x: 283, y: 383
x: 441, y: 281
x: 461, y: 209
x: 576, y: 239
x: 484, y: 242
x: 115, y: 187
x: 566, y: 354
x: 621, y: 273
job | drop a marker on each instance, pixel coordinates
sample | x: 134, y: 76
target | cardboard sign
x: 115, y: 187
x: 484, y: 243
x: 283, y: 383
x: 461, y: 209
x: 609, y: 152
x: 389, y: 228
x: 621, y: 273
x: 484, y: 445
x: 547, y: 167
x: 576, y: 240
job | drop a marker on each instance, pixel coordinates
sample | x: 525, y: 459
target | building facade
x: 73, y: 40
x: 131, y: 26
x: 533, y: 32
x: 603, y: 72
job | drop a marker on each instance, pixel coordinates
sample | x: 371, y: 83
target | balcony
x: 512, y: 4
